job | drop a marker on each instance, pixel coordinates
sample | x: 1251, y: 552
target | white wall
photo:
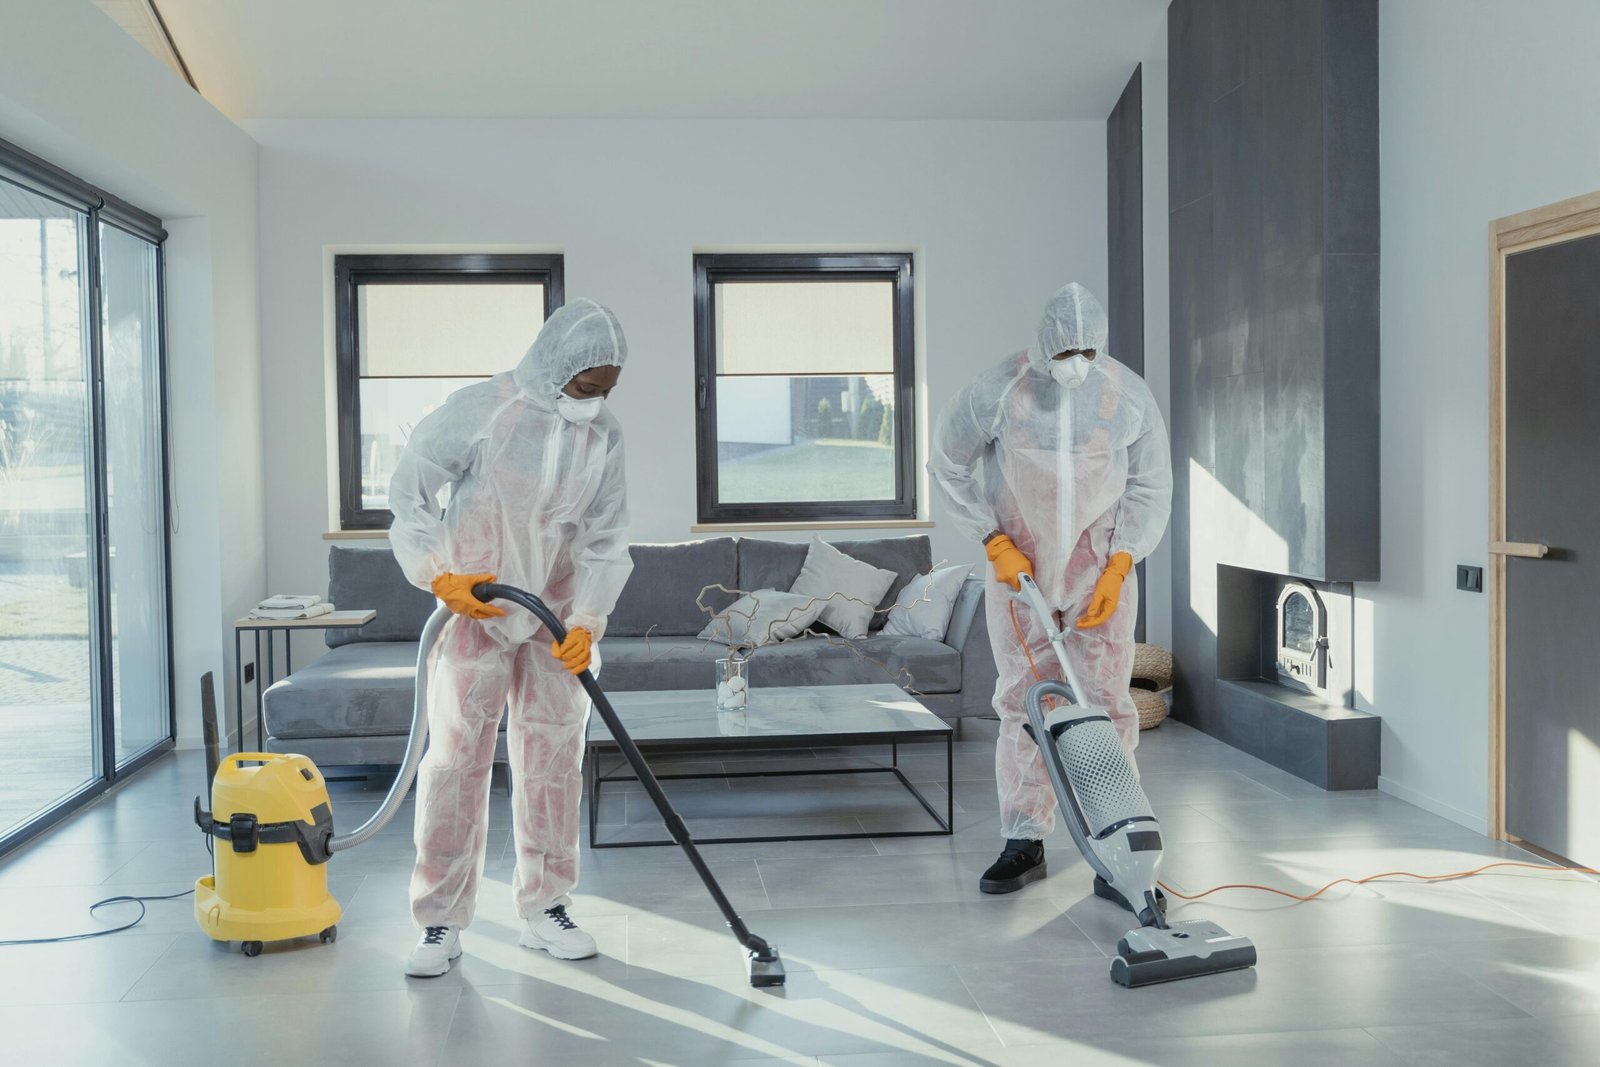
x: 78, y: 91
x: 998, y: 214
x: 1487, y: 109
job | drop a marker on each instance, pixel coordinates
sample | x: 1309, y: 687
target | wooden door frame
x: 1553, y: 224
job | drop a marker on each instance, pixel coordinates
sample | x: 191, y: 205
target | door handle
x: 1520, y: 549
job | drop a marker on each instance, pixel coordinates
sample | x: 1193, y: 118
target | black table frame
x: 596, y: 748
x: 263, y: 679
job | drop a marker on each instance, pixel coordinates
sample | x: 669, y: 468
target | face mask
x: 578, y: 411
x: 1069, y: 373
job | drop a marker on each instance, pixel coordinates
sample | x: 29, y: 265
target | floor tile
x: 1544, y: 976
x: 1324, y: 988
x: 402, y: 1027
x: 1565, y: 1042
x: 82, y: 972
x: 722, y: 1020
x: 367, y: 957
x: 843, y: 938
x: 1303, y: 1048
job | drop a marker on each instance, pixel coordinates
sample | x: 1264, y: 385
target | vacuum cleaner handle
x: 1028, y: 591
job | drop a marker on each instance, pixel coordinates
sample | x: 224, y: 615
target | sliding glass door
x: 135, y: 505
x: 48, y: 738
x: 85, y: 657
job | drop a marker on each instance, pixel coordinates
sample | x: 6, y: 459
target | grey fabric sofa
x: 353, y: 706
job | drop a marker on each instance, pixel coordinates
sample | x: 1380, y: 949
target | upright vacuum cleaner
x: 1110, y: 819
x: 273, y: 824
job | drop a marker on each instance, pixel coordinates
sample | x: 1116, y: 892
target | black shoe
x: 1022, y: 862
x: 1103, y: 889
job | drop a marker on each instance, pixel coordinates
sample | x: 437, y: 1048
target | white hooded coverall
x: 541, y: 503
x: 1072, y: 476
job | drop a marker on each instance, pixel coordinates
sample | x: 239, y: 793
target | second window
x: 804, y: 390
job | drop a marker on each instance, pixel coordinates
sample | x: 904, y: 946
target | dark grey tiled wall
x: 1125, y: 240
x: 1273, y: 194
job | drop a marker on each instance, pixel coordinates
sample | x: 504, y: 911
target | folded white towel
x: 290, y: 600
x: 284, y: 614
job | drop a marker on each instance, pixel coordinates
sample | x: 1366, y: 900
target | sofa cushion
x: 633, y: 664
x: 764, y: 617
x: 665, y: 581
x: 360, y: 690
x: 368, y: 576
x: 767, y: 564
x: 848, y: 590
x: 924, y: 607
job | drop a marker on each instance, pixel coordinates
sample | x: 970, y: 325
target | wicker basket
x: 1152, y: 663
x: 1152, y: 706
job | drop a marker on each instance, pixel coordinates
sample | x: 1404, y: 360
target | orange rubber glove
x: 1008, y: 560
x: 456, y: 592
x: 574, y: 651
x: 1107, y: 592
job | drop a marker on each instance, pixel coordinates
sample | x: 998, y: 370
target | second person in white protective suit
x: 1057, y: 459
x: 533, y: 461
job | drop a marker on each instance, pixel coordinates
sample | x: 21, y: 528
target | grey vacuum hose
x: 414, y: 744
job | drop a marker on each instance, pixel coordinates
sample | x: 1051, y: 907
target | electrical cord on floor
x: 1452, y: 876
x: 1303, y: 897
x: 100, y: 933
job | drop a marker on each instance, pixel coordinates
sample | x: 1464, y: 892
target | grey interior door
x: 1552, y: 484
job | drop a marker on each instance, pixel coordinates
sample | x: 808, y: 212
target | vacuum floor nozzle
x: 765, y: 969
x: 1183, y: 950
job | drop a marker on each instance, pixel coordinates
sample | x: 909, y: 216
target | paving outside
x: 46, y: 739
x: 894, y: 956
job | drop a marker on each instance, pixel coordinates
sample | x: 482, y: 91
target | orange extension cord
x: 1302, y: 898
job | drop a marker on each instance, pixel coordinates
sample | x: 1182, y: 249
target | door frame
x: 1556, y: 223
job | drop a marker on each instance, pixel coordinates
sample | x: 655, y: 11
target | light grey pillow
x: 924, y: 606
x: 763, y: 617
x: 851, y: 590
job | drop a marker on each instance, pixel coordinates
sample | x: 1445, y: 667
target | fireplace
x: 1285, y: 682
x: 1302, y: 637
x: 1286, y: 631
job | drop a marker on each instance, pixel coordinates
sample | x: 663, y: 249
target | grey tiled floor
x: 894, y: 956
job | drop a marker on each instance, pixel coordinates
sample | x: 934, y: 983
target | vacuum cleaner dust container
x: 271, y: 821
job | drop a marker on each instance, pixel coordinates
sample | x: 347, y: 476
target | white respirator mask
x: 578, y: 411
x: 1069, y: 373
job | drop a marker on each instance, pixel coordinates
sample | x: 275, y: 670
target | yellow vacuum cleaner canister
x: 272, y: 821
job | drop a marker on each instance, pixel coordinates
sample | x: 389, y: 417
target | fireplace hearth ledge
x: 1324, y: 742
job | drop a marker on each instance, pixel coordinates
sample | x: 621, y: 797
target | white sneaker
x: 558, y: 935
x: 439, y: 947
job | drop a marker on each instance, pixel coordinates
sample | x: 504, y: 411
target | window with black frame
x: 411, y: 330
x: 804, y: 387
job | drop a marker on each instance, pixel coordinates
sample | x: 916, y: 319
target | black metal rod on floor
x: 679, y: 830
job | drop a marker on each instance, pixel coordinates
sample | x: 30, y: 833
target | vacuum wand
x: 762, y: 962
x: 1029, y: 590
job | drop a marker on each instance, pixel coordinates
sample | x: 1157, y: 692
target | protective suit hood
x: 1072, y: 319
x: 579, y: 336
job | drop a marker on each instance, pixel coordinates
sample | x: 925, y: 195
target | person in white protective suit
x: 1057, y: 459
x: 533, y: 461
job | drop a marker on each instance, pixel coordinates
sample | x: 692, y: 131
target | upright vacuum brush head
x: 1109, y: 817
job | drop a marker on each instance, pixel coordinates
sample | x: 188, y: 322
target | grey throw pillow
x: 924, y: 606
x: 763, y: 617
x: 849, y: 589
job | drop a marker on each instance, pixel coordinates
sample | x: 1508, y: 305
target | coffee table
x: 673, y: 721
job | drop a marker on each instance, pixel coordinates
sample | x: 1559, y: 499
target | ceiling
x: 902, y: 59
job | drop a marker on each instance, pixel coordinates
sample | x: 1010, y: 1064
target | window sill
x: 785, y: 527
x: 356, y: 535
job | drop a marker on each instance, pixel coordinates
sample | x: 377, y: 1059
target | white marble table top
x: 779, y: 712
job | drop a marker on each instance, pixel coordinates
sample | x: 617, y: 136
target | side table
x: 334, y: 620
